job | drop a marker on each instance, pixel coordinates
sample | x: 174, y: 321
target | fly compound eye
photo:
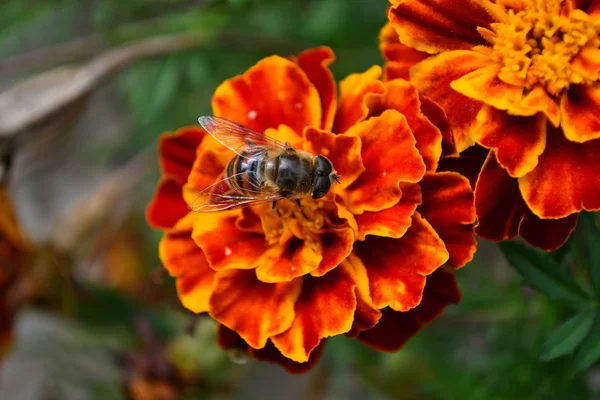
x: 323, y: 166
x: 322, y: 186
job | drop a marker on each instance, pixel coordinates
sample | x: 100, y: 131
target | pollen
x: 306, y: 222
x: 536, y: 46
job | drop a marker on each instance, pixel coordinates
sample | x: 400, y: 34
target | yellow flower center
x: 536, y: 46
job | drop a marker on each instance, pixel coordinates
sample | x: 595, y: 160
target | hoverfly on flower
x: 263, y: 170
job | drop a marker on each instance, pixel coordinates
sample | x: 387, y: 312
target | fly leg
x: 301, y: 209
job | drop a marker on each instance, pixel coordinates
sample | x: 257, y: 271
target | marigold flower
x: 518, y: 77
x: 354, y: 262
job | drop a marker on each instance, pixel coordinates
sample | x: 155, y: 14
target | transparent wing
x: 238, y: 137
x: 221, y: 197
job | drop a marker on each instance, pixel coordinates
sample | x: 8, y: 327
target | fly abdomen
x: 248, y: 169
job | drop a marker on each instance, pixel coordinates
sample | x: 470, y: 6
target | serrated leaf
x: 592, y: 234
x: 565, y: 339
x: 589, y: 351
x: 543, y: 274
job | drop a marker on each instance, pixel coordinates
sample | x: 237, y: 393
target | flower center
x: 536, y: 46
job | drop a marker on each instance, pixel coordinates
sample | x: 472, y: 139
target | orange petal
x: 167, y: 206
x: 448, y: 205
x: 404, y: 97
x: 566, y: 179
x: 389, y: 156
x: 275, y: 91
x: 315, y: 63
x: 343, y: 151
x: 225, y: 246
x: 254, y: 309
x: 538, y: 100
x: 325, y: 308
x: 400, y: 58
x: 580, y: 112
x: 394, y: 221
x: 283, y: 262
x: 484, y: 85
x: 366, y: 315
x: 337, y: 245
x: 177, y: 152
x: 433, y: 77
x: 502, y: 213
x: 397, y: 267
x: 517, y: 141
x: 439, y: 25
x: 587, y: 62
x: 396, y: 328
x: 357, y: 93
x: 209, y: 165
x: 194, y: 288
x: 230, y: 340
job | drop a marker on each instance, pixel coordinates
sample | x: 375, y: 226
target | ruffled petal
x: 517, y: 141
x: 209, y: 165
x: 448, y: 205
x: 224, y: 245
x: 538, y: 100
x: 397, y: 268
x: 357, y: 93
x: 325, y: 308
x: 587, y: 62
x: 580, y: 112
x: 400, y: 58
x: 433, y: 77
x: 566, y: 179
x: 394, y: 328
x: 503, y: 214
x: 468, y: 164
x: 254, y: 309
x: 437, y: 116
x: 394, y: 221
x: 377, y: 187
x: 194, y: 288
x: 315, y: 63
x: 337, y: 245
x: 167, y: 206
x: 404, y: 97
x: 484, y: 85
x: 283, y: 262
x: 435, y: 26
x: 275, y: 91
x: 177, y: 152
x: 343, y: 151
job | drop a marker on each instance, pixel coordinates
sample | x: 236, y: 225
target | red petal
x: 254, y: 309
x: 404, y: 97
x: 167, y: 206
x: 438, y: 117
x: 357, y: 93
x: 337, y: 245
x: 439, y: 25
x: 502, y: 213
x: 433, y: 77
x: 449, y: 207
x: 286, y: 261
x: 366, y: 315
x: 580, y: 113
x: 275, y: 91
x: 325, y: 308
x: 394, y: 221
x: 400, y: 58
x: 315, y: 63
x: 343, y: 151
x: 177, y: 152
x: 225, y: 246
x: 517, y: 141
x: 566, y: 179
x: 468, y: 164
x: 396, y: 328
x: 389, y: 156
x: 397, y: 267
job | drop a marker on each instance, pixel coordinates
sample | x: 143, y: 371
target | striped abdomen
x: 248, y: 169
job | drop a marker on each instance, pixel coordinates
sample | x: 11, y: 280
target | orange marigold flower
x: 521, y: 78
x: 354, y: 262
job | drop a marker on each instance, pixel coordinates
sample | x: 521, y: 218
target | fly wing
x: 238, y: 137
x: 221, y: 197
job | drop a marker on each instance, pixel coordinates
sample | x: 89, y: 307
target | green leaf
x: 565, y: 339
x: 543, y: 274
x: 589, y: 351
x: 592, y: 234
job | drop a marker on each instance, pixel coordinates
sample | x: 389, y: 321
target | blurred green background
x: 99, y: 318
